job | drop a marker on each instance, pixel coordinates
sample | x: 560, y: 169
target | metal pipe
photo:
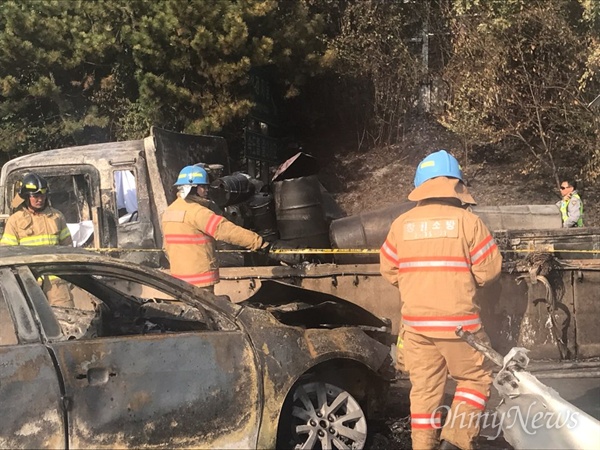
x: 477, y: 344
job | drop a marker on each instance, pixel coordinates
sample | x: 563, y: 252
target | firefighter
x: 191, y: 230
x: 437, y: 254
x: 35, y: 222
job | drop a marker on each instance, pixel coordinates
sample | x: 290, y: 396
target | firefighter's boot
x: 447, y: 445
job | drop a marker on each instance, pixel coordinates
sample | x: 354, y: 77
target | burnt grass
x: 365, y: 180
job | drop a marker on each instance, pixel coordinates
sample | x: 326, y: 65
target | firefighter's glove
x: 289, y: 257
x: 265, y: 248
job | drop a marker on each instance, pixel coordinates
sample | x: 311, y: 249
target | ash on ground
x: 393, y: 430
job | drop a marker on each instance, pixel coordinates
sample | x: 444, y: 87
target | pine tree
x: 78, y: 72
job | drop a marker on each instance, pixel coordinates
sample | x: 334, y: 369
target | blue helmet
x: 438, y: 164
x: 192, y: 175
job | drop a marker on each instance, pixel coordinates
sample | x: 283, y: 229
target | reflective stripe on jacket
x: 190, y: 232
x: 438, y: 323
x: 47, y: 227
x: 437, y: 254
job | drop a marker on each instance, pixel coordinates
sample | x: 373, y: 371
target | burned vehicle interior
x: 295, y: 306
x: 72, y: 193
x: 76, y: 193
x: 107, y: 306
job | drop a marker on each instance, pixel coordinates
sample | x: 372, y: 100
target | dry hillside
x: 364, y: 181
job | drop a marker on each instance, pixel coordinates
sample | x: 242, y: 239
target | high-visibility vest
x: 45, y: 228
x: 564, y: 206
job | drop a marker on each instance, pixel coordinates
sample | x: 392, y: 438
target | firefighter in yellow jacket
x: 36, y: 223
x: 191, y: 230
x: 438, y: 254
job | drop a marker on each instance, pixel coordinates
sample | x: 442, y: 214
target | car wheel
x: 323, y: 416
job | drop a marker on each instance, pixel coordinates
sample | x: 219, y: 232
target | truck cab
x: 113, y: 194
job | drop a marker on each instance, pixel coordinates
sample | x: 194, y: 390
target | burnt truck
x: 113, y: 196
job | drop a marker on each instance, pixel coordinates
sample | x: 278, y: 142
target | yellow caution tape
x: 318, y: 251
x: 120, y: 249
x: 548, y: 251
x: 310, y: 251
x: 307, y: 251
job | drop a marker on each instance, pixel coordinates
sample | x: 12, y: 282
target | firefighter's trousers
x: 58, y: 292
x: 429, y: 361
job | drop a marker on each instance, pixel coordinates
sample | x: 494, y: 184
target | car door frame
x: 140, y: 232
x: 31, y: 393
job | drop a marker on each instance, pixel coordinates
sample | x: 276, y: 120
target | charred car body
x: 146, y: 360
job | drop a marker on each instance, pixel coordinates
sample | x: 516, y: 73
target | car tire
x: 319, y: 415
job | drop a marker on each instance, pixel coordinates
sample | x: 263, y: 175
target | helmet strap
x: 33, y: 208
x: 184, y: 190
x: 205, y: 194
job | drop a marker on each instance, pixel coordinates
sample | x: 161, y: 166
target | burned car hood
x: 297, y: 306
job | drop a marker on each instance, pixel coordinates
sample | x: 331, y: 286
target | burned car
x: 145, y: 360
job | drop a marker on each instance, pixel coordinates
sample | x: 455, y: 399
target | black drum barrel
x: 299, y: 211
x: 364, y: 231
x: 231, y: 189
x: 262, y: 214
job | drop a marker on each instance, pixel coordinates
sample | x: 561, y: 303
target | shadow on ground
x: 393, y: 430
